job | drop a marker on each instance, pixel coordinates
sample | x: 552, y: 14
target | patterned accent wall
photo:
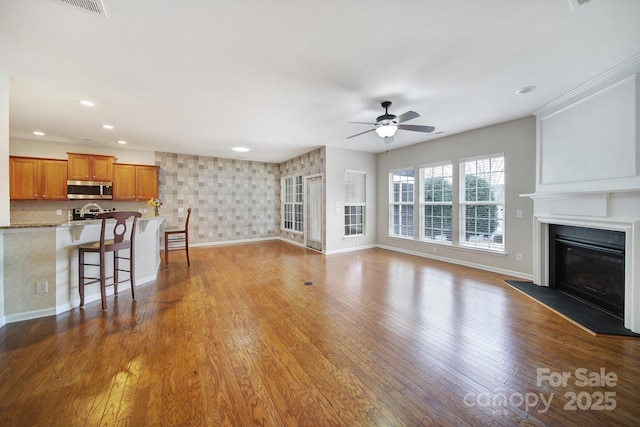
x: 311, y: 163
x: 231, y: 199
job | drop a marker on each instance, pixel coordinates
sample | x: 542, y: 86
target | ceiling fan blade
x: 417, y: 128
x: 409, y: 115
x: 364, y: 123
x: 361, y: 133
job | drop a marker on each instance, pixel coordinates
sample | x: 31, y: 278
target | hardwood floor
x: 378, y: 339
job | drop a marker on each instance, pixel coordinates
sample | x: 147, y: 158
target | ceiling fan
x: 387, y: 124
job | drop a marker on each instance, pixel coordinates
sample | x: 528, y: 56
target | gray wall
x: 338, y: 160
x: 517, y: 140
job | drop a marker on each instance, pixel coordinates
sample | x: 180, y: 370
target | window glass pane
x: 402, y: 185
x: 483, y: 223
x: 403, y: 182
x: 354, y: 205
x: 292, y: 218
x: 437, y: 182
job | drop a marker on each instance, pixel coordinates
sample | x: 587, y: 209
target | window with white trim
x: 482, y: 202
x: 401, y: 190
x: 354, y: 202
x: 292, y: 205
x: 436, y: 202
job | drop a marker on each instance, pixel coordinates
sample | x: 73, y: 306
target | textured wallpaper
x: 231, y: 199
x: 311, y: 163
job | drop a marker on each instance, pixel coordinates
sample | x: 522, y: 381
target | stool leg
x: 186, y: 248
x: 116, y: 280
x: 103, y: 284
x: 166, y: 251
x: 132, y: 272
x: 81, y: 276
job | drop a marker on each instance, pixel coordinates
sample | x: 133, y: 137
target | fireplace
x: 589, y: 264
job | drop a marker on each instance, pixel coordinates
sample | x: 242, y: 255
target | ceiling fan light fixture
x: 386, y: 131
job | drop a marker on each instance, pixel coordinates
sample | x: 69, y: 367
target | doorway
x: 314, y: 213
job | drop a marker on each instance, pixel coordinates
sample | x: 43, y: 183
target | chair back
x: 120, y: 230
x: 186, y: 222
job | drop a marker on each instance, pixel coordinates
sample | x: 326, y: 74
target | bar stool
x: 123, y: 239
x: 177, y: 239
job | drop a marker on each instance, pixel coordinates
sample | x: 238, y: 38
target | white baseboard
x: 460, y: 262
x: 28, y: 315
x: 357, y: 248
x: 74, y: 303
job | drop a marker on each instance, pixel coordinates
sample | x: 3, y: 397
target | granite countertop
x: 18, y: 225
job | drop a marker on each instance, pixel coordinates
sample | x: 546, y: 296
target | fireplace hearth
x: 589, y: 264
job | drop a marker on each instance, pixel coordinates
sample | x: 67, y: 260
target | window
x: 401, y: 202
x: 292, y: 206
x: 482, y: 202
x: 354, y: 202
x: 436, y: 201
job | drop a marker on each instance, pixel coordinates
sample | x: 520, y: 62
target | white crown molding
x: 625, y: 69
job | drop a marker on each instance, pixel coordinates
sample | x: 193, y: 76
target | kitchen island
x: 40, y: 265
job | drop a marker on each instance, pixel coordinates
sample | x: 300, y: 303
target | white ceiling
x: 283, y: 77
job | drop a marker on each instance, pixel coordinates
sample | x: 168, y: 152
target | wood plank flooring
x: 378, y: 339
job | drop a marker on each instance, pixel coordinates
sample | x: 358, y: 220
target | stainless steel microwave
x: 89, y: 190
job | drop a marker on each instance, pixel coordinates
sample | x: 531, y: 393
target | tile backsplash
x: 37, y: 211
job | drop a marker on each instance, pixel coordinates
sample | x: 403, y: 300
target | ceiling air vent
x: 93, y: 6
x: 577, y: 3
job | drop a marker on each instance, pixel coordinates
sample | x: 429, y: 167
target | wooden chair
x: 177, y: 239
x: 123, y: 240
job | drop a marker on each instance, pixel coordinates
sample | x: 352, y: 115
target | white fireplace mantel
x: 587, y: 174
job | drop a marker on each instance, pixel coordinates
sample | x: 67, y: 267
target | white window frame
x: 445, y: 175
x: 493, y: 240
x: 292, y: 204
x: 355, y: 198
x: 401, y: 204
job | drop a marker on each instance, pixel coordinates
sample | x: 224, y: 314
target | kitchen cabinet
x: 37, y: 179
x: 135, y: 182
x: 90, y: 167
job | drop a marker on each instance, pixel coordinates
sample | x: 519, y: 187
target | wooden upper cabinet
x: 90, y: 167
x: 124, y: 182
x: 23, y: 178
x: 135, y: 182
x: 147, y: 182
x: 53, y: 179
x: 37, y: 179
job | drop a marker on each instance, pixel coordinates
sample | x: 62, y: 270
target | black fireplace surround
x: 588, y: 264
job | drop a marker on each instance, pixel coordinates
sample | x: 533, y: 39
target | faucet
x: 86, y: 208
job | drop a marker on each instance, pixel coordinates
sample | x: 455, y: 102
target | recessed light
x: 525, y: 90
x: 37, y: 132
x: 122, y: 142
x: 241, y: 149
x: 87, y: 103
x: 107, y: 126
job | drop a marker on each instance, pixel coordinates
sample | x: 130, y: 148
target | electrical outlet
x: 434, y: 250
x: 42, y: 287
x: 519, y: 257
x: 519, y: 213
x: 59, y: 212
